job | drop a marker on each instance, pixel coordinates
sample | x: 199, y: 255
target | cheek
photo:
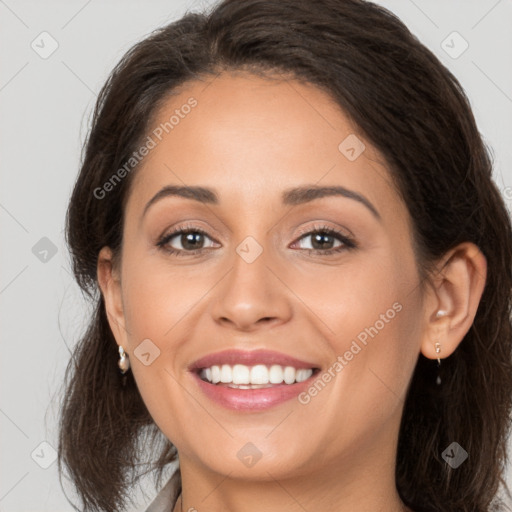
x: 372, y: 314
x: 159, y: 305
x: 157, y: 297
x: 155, y: 310
x: 373, y: 360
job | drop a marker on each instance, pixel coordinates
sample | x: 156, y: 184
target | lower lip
x: 252, y: 399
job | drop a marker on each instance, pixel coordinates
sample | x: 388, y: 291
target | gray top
x: 166, y: 499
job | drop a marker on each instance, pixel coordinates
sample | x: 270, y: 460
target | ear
x: 109, y: 281
x: 453, y: 299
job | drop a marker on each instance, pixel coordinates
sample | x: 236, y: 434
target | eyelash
x: 347, y: 243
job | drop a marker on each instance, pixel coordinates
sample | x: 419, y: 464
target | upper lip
x: 249, y: 358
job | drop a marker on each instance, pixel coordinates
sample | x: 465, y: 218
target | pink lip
x: 249, y: 358
x: 251, y: 399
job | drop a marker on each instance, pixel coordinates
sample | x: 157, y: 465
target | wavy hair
x: 415, y: 112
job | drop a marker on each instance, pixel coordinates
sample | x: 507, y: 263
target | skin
x: 250, y: 138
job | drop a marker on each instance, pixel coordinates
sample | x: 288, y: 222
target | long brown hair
x: 415, y: 112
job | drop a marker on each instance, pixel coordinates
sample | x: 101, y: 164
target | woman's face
x: 251, y: 274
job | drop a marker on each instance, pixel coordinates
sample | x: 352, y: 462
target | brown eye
x: 321, y: 240
x: 190, y: 240
x: 184, y: 241
x: 325, y: 241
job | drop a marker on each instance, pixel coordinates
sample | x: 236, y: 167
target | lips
x: 250, y: 358
x: 240, y: 398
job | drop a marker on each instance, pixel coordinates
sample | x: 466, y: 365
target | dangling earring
x: 124, y: 362
x: 438, y: 350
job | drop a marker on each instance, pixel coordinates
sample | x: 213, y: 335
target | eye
x: 323, y: 241
x: 190, y: 241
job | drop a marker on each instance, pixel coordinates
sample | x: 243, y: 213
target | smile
x: 241, y: 376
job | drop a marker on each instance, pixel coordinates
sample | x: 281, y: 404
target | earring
x: 124, y: 362
x: 440, y: 313
x: 438, y: 350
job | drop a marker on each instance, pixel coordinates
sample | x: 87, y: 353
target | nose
x: 252, y: 295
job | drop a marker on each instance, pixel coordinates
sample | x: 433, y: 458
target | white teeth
x: 215, y: 377
x: 240, y: 374
x: 275, y: 375
x: 226, y: 374
x: 303, y: 374
x: 289, y: 375
x: 259, y: 375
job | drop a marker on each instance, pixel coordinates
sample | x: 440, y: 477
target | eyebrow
x: 292, y: 197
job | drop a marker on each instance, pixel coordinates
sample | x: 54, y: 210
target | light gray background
x: 45, y: 105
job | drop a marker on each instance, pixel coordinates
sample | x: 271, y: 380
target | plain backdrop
x: 46, y: 100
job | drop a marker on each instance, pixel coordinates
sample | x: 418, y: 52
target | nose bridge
x: 250, y: 264
x: 250, y: 291
x: 250, y: 277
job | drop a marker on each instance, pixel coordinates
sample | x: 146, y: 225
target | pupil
x: 320, y: 239
x: 190, y: 238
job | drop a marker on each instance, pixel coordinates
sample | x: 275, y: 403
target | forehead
x: 250, y: 137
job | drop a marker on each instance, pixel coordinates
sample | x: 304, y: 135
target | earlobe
x: 110, y: 286
x: 457, y: 290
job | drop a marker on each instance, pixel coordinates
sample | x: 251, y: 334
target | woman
x: 286, y: 220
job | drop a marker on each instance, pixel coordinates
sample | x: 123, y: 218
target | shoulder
x: 168, y: 495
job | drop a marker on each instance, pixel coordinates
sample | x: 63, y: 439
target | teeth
x: 275, y: 375
x: 259, y: 375
x: 226, y: 374
x: 241, y: 374
x: 215, y: 377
